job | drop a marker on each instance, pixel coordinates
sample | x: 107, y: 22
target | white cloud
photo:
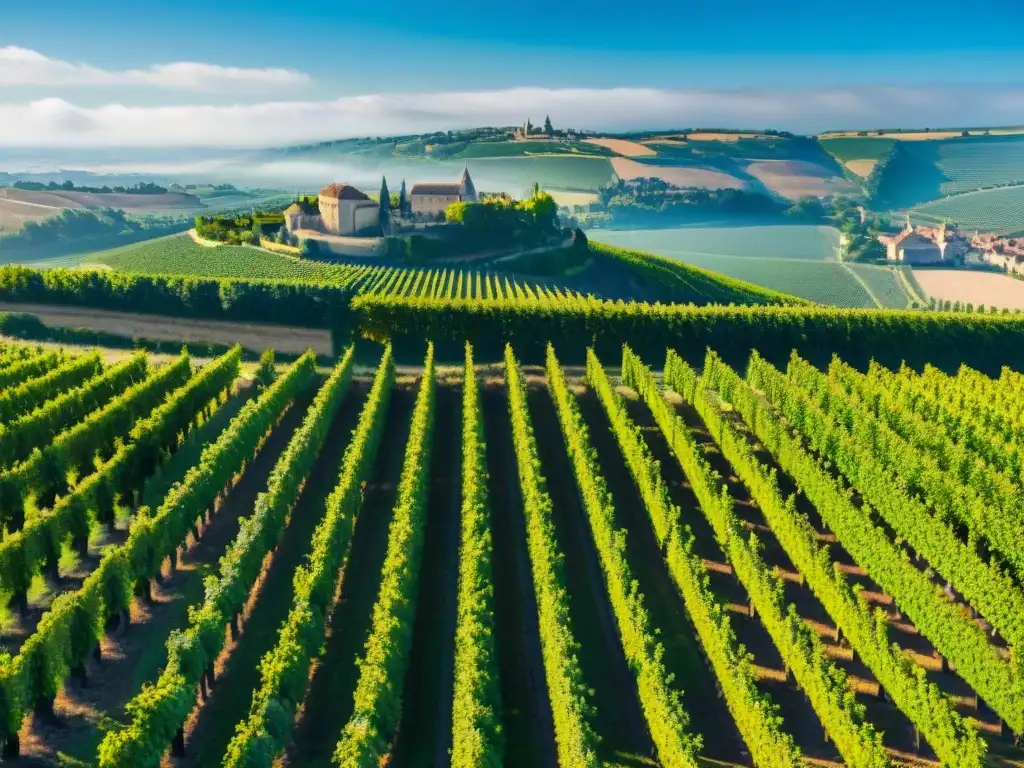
x: 55, y: 122
x: 24, y: 67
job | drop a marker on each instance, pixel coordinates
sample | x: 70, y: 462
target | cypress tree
x: 403, y: 200
x: 385, y: 207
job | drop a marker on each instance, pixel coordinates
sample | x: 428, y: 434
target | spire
x: 469, y: 188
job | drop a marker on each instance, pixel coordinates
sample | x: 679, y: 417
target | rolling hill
x: 18, y: 206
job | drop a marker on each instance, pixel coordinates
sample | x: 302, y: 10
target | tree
x: 542, y: 208
x: 873, y: 250
x: 808, y: 208
x: 579, y: 240
x: 547, y: 126
x: 385, y: 207
x: 267, y: 372
x: 403, y: 200
x: 310, y: 249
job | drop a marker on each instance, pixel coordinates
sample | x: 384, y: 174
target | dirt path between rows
x: 329, y: 698
x: 425, y: 731
x: 253, y: 336
x: 137, y: 656
x: 526, y: 710
x: 211, y: 726
x: 684, y: 657
x: 619, y: 718
x: 800, y: 719
x: 898, y: 731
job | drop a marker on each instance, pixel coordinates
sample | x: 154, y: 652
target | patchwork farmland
x: 487, y: 564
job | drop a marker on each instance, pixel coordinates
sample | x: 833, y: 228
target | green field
x: 923, y: 171
x: 976, y: 163
x: 492, y: 149
x: 180, y: 255
x: 798, y: 260
x: 988, y: 210
x: 825, y: 282
x: 814, y: 243
x: 884, y: 284
x: 850, y: 148
x: 515, y: 175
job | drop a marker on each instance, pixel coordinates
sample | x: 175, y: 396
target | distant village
x: 947, y: 245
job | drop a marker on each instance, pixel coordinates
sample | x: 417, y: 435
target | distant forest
x: 142, y: 188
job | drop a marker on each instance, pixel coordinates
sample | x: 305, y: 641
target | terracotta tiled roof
x: 342, y: 192
x: 436, y: 188
x: 904, y: 235
x: 293, y: 208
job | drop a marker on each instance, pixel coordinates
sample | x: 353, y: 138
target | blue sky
x: 801, y: 65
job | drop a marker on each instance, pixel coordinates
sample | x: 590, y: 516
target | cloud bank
x: 58, y: 123
x: 25, y: 67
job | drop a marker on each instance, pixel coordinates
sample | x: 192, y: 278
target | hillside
x: 800, y: 260
x: 18, y: 206
x: 921, y: 170
x: 781, y: 166
x: 607, y: 272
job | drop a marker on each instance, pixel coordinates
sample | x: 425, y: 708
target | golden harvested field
x: 794, y: 179
x: 18, y: 206
x: 680, y: 176
x: 988, y: 288
x: 623, y: 147
x: 15, y: 215
x: 861, y: 167
x: 254, y: 336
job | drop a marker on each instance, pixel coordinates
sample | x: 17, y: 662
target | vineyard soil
x: 137, y: 655
x: 252, y: 336
x: 619, y: 718
x: 425, y: 731
x: 684, y: 657
x: 329, y: 701
x: 527, y: 719
x: 801, y: 722
x: 899, y: 733
x: 208, y: 733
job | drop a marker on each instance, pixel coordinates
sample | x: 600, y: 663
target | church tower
x: 468, y: 191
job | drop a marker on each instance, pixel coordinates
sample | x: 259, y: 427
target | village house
x: 1004, y: 252
x: 925, y: 245
x: 341, y: 210
x: 432, y: 198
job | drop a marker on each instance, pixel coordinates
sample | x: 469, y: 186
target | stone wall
x: 329, y: 214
